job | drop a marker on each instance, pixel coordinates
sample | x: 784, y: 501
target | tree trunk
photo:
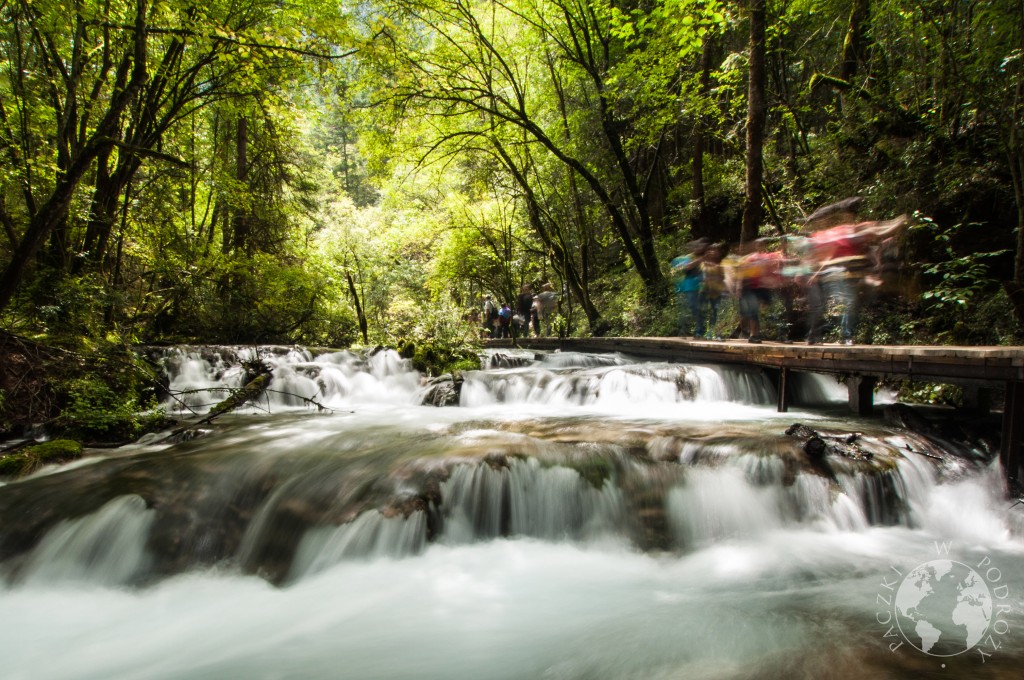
x: 700, y: 225
x: 360, y: 314
x: 240, y: 220
x: 855, y: 46
x: 559, y: 255
x: 1015, y: 288
x: 110, y: 187
x: 756, y: 113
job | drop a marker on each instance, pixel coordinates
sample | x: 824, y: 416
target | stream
x: 567, y: 516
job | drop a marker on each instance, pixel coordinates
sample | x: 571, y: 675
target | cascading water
x: 573, y: 516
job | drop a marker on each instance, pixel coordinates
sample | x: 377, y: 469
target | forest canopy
x: 335, y: 173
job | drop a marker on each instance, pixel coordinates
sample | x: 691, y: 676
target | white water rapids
x: 574, y: 517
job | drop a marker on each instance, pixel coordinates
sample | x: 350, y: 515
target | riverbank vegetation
x: 344, y: 174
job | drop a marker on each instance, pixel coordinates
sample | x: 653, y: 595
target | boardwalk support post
x: 783, y: 384
x: 978, y: 399
x: 861, y: 390
x: 1013, y: 433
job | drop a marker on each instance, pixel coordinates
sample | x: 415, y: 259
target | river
x: 571, y: 517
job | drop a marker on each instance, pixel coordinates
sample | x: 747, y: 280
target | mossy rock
x: 434, y: 358
x: 595, y: 471
x: 55, y: 451
x: 12, y: 465
x: 32, y: 458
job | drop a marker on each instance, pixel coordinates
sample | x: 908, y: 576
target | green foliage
x: 12, y: 465
x: 66, y: 306
x: 930, y: 393
x: 966, y: 304
x: 107, y: 393
x: 467, y: 147
x: 959, y: 281
x: 434, y: 357
x: 559, y: 325
x: 632, y: 314
x: 96, y: 412
x: 437, y: 340
x: 55, y: 450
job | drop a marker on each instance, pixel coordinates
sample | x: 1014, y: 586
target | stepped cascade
x: 562, y: 516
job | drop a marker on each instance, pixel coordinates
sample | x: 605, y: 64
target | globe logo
x: 943, y: 608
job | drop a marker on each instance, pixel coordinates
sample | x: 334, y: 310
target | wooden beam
x: 1013, y: 433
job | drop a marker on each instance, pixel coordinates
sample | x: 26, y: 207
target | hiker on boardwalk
x: 712, y: 288
x: 841, y: 261
x: 757, y: 279
x: 688, y: 276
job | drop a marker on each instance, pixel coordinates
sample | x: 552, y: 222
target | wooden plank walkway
x: 960, y: 365
x: 982, y: 367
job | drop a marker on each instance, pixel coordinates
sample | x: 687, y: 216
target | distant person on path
x: 490, y: 317
x: 545, y: 304
x: 504, y: 321
x: 524, y: 309
x: 687, y: 275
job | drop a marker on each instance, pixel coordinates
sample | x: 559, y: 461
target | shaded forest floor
x: 28, y: 373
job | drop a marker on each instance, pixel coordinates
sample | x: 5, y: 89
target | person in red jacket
x: 840, y: 259
x: 758, y: 277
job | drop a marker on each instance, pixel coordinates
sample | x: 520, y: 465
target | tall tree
x: 86, y: 104
x: 757, y: 108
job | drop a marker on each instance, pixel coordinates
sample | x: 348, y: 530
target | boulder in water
x: 501, y: 360
x: 443, y: 390
x: 817, y: 445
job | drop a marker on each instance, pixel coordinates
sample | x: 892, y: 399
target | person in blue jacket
x: 688, y: 278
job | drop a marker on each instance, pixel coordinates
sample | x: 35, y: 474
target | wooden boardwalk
x: 980, y: 369
x: 959, y: 365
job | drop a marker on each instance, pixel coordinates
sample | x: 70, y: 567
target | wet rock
x: 802, y: 431
x: 500, y: 360
x: 817, y: 445
x: 444, y: 390
x: 954, y: 431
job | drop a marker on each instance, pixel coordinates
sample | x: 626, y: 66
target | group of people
x: 532, y: 309
x: 834, y: 259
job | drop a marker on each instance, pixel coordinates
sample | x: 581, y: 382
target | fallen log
x: 252, y: 389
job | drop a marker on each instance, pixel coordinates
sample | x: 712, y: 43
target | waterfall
x: 526, y: 499
x: 199, y: 378
x: 618, y: 385
x: 105, y: 548
x: 371, y: 535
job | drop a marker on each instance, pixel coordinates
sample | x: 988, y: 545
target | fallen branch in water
x: 240, y: 397
x: 308, y: 400
x: 251, y: 390
x: 923, y: 453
